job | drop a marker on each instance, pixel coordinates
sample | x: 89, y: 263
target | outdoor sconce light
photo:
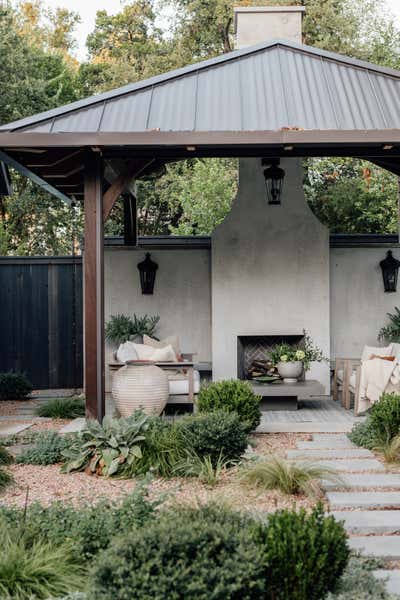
x: 390, y: 269
x: 147, y: 270
x: 274, y: 177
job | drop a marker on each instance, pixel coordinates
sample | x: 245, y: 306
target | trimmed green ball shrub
x: 14, y: 386
x: 47, y: 449
x: 305, y: 555
x: 62, y: 408
x: 232, y: 396
x: 385, y: 417
x: 205, y: 554
x: 217, y: 434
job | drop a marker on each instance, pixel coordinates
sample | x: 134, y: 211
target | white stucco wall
x: 270, y: 269
x: 182, y: 295
x: 358, y: 301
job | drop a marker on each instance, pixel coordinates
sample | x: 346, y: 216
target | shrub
x: 364, y: 434
x: 162, y: 448
x: 305, y: 554
x: 232, y: 396
x: 89, y: 529
x: 107, y: 449
x: 14, y: 386
x: 62, y: 408
x: 5, y: 459
x: 385, y: 416
x: 214, y: 434
x: 36, y: 571
x: 47, y: 449
x: 277, y: 473
x: 202, y: 554
x: 359, y: 583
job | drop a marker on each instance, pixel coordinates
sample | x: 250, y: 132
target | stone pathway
x: 372, y: 518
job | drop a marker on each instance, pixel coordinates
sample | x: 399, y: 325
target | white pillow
x: 126, y: 352
x: 370, y: 350
x: 143, y: 352
x: 166, y: 354
x: 172, y: 340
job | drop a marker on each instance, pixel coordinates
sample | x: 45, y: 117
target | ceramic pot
x: 290, y: 371
x: 140, y: 385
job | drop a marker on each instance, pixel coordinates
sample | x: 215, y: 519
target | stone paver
x: 334, y: 454
x: 326, y: 445
x: 392, y: 580
x: 370, y: 521
x: 356, y: 465
x: 383, y: 546
x: 75, y: 426
x: 317, y: 437
x: 371, y: 500
x: 366, y: 480
x: 13, y: 429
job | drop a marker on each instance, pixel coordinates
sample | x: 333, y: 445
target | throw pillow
x: 126, y: 352
x: 144, y: 352
x: 369, y: 350
x: 172, y: 340
x: 166, y: 354
x: 390, y: 358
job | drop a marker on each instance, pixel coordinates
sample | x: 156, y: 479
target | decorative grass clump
x: 202, y: 467
x: 390, y: 450
x: 232, y: 396
x: 14, y: 386
x: 289, y: 477
x: 62, y: 408
x: 39, y: 571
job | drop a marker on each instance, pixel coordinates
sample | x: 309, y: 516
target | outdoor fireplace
x: 253, y: 352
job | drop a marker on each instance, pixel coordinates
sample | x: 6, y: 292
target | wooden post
x: 130, y: 220
x: 94, y: 287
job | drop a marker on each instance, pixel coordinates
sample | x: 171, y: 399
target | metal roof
x: 267, y: 87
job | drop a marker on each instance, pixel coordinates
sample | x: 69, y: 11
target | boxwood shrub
x: 232, y: 396
x: 14, y: 386
x: 381, y: 425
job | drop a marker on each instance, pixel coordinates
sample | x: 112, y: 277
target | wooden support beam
x: 121, y: 182
x: 130, y: 220
x: 94, y: 287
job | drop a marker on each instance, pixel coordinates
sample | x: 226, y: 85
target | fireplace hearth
x: 253, y: 353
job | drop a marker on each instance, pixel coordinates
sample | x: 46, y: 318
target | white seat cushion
x: 180, y: 387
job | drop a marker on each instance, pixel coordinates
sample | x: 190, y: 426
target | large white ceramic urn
x: 140, y: 385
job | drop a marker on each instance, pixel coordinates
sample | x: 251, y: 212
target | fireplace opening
x: 253, y: 353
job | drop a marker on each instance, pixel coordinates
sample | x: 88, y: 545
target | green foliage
x: 305, y: 554
x: 214, y: 435
x: 381, y: 426
x: 121, y: 328
x: 391, y: 331
x: 232, y: 396
x: 390, y: 450
x: 289, y: 477
x: 47, y: 449
x: 14, y: 386
x: 163, y: 447
x: 6, y: 479
x: 62, y: 408
x: 306, y: 352
x: 107, y: 449
x: 203, y: 467
x: 358, y: 582
x: 38, y: 570
x: 5, y: 457
x: 202, y: 554
x: 89, y: 529
x: 364, y: 434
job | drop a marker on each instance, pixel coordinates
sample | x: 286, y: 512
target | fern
x: 391, y: 331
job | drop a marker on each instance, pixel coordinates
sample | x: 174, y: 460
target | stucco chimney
x: 255, y: 24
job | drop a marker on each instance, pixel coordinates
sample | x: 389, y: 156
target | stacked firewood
x: 261, y: 368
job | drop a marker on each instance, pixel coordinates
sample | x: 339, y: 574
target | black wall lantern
x: 147, y: 269
x: 274, y: 177
x: 390, y: 269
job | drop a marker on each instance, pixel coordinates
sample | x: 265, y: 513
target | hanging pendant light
x: 390, y: 270
x: 274, y: 177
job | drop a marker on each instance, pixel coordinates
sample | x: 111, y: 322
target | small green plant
x: 47, y: 449
x: 232, y: 396
x: 62, y: 408
x: 385, y: 416
x: 121, y: 328
x: 391, y: 331
x: 14, y: 386
x: 188, y: 553
x: 5, y: 460
x: 202, y: 467
x: 305, y: 554
x: 163, y: 447
x: 107, y: 449
x: 364, y: 434
x: 390, y: 450
x: 214, y: 435
x: 37, y: 571
x: 359, y: 583
x: 306, y: 352
x: 289, y: 477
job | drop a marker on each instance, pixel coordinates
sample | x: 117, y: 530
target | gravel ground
x: 46, y: 484
x: 13, y: 407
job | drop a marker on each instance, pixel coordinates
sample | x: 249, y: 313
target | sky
x: 88, y: 8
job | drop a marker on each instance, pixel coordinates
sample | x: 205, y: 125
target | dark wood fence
x: 41, y: 320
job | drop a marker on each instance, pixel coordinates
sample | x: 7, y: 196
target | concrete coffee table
x: 286, y: 396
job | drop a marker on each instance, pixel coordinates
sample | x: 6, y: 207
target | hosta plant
x: 108, y: 449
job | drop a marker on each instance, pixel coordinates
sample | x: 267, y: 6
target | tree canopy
x: 39, y: 71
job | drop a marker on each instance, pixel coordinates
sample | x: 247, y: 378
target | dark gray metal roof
x: 270, y: 86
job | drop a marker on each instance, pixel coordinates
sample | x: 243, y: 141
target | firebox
x: 253, y: 350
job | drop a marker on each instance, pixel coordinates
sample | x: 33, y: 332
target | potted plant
x: 121, y: 328
x: 291, y: 361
